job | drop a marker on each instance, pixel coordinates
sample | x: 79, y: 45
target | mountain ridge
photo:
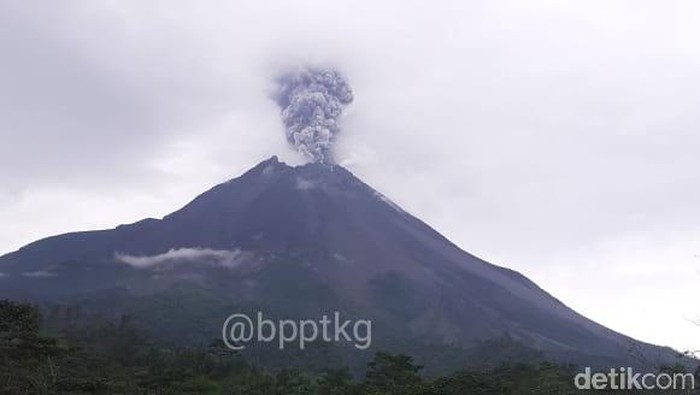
x: 350, y: 244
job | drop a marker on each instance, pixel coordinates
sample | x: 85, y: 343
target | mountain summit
x: 296, y: 241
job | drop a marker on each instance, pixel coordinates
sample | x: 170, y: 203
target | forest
x: 114, y: 358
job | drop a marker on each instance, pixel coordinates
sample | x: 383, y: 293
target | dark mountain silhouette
x: 298, y: 241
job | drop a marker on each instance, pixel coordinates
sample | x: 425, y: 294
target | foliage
x: 112, y: 358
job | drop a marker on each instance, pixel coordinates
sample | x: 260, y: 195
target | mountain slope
x: 297, y: 241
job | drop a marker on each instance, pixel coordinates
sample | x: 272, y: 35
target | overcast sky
x: 557, y: 138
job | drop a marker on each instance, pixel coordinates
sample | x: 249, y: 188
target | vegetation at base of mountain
x: 113, y: 358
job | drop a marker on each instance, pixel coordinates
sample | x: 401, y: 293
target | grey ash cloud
x: 312, y: 100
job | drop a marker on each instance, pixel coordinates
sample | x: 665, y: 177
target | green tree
x: 393, y: 375
x: 293, y: 382
x: 476, y: 383
x: 337, y: 382
x: 27, y: 359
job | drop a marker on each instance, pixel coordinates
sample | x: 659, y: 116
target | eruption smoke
x: 312, y: 100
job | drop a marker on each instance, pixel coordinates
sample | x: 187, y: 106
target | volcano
x: 298, y: 241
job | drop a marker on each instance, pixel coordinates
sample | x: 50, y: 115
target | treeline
x: 112, y: 358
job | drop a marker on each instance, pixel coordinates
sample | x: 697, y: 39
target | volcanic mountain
x: 296, y: 242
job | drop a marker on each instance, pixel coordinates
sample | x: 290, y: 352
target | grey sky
x: 558, y: 138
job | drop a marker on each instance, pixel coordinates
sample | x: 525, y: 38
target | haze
x: 557, y: 138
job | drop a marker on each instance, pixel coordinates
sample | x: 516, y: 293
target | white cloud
x: 180, y: 256
x: 38, y: 274
x: 304, y: 184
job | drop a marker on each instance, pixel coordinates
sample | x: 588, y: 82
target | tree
x: 337, y: 382
x: 26, y: 358
x: 293, y: 382
x: 478, y: 383
x: 393, y: 375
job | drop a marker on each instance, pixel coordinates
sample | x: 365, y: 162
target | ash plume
x: 312, y: 100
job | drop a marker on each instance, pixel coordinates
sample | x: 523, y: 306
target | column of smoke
x: 312, y: 100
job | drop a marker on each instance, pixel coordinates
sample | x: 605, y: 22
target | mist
x: 559, y: 137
